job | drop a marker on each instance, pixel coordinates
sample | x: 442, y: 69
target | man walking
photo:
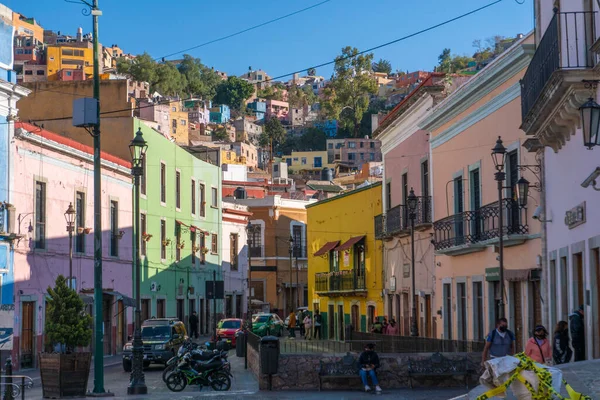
x: 500, y: 342
x: 317, y: 323
x: 578, y: 333
x: 194, y: 325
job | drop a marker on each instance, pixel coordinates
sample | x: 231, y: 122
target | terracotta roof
x: 55, y: 137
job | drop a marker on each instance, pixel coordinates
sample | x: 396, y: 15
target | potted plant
x: 146, y: 237
x: 204, y: 250
x: 65, y: 372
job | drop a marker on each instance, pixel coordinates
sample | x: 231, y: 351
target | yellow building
x: 179, y: 121
x: 67, y: 57
x: 231, y: 157
x: 306, y: 161
x: 345, y: 268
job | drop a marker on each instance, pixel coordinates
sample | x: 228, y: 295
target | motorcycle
x: 203, y: 373
x: 198, y: 354
x: 170, y: 366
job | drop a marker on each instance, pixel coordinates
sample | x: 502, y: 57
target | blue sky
x: 313, y: 37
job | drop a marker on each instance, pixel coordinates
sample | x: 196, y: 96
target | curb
x: 107, y: 365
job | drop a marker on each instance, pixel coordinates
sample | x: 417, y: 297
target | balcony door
x: 477, y: 220
x: 359, y: 265
x: 298, y: 243
x: 459, y: 229
x: 512, y: 208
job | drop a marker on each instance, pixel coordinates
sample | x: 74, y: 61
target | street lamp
x: 499, y: 157
x: 291, y: 280
x: 70, y: 218
x: 250, y: 230
x: 590, y: 123
x: 412, y: 208
x: 137, y: 382
x: 522, y: 191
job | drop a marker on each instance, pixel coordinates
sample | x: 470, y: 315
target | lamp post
x: 291, y: 250
x: 250, y: 230
x: 298, y: 249
x: 412, y: 208
x: 499, y: 157
x: 137, y: 382
x: 590, y: 123
x: 70, y: 218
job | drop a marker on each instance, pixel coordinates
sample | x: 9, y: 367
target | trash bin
x: 269, y: 355
x: 240, y: 344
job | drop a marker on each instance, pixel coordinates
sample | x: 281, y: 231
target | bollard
x: 8, y: 387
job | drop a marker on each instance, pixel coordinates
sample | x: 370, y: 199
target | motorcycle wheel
x: 167, y: 371
x: 220, y: 382
x: 176, y: 382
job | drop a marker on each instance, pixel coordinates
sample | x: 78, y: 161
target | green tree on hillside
x: 299, y: 97
x: 382, y: 66
x: 233, y: 92
x: 311, y: 72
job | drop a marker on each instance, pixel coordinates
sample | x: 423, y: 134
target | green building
x: 180, y: 215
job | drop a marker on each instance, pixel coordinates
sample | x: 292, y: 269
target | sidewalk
x: 109, y: 361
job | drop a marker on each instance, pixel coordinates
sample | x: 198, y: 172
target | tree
x: 311, y: 72
x: 66, y: 321
x: 299, y: 97
x: 220, y: 134
x: 445, y: 60
x: 169, y: 82
x: 233, y: 92
x: 270, y: 93
x: 313, y: 139
x: 349, y: 89
x: 382, y: 66
x: 142, y: 68
x: 201, y: 81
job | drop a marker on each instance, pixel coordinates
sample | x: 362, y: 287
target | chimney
x: 80, y: 34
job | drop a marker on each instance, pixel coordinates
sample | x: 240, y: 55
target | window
x: 40, y: 215
x: 193, y: 239
x: 330, y: 145
x: 447, y: 294
x: 144, y: 229
x: 177, y: 189
x: 143, y: 177
x: 362, y: 156
x: 458, y: 209
x: 182, y: 122
x: 202, y: 200
x: 478, y: 311
x: 351, y: 156
x: 303, y: 161
x: 163, y: 183
x: 174, y: 109
x: 163, y: 238
x: 404, y: 188
x: 372, y: 145
x: 255, y: 241
x: 371, y: 156
x: 214, y: 243
x: 461, y: 294
x: 69, y: 73
x: 388, y: 195
x: 193, y: 197
x: 333, y: 261
x: 79, y: 222
x: 114, y: 229
x: 425, y: 178
x: 40, y: 72
x: 318, y: 162
x: 178, y: 242
x: 174, y: 124
x: 362, y: 144
x: 352, y: 145
x: 202, y: 245
x: 233, y: 246
x: 297, y: 236
x: 215, y: 200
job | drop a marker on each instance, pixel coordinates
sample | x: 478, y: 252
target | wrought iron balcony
x: 561, y: 62
x: 397, y: 219
x: 346, y: 282
x: 463, y: 232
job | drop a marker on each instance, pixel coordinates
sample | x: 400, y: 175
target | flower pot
x: 64, y: 375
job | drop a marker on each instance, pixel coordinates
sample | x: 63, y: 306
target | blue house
x: 330, y: 127
x: 258, y: 108
x: 220, y: 114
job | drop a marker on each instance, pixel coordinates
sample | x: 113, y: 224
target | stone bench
x: 438, y: 365
x: 345, y: 368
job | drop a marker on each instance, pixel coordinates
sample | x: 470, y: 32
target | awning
x: 127, y: 301
x: 181, y: 223
x: 349, y: 243
x: 327, y: 248
x: 86, y: 299
x: 194, y: 228
x: 515, y: 275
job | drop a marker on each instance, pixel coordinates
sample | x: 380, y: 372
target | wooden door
x: 120, y: 325
x: 160, y: 308
x: 107, y: 319
x: 145, y: 309
x: 355, y: 318
x: 331, y: 322
x: 428, y: 316
x: 27, y: 334
x: 405, y: 315
x: 340, y: 320
x: 517, y: 312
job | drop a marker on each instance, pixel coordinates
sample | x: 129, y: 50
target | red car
x: 227, y: 328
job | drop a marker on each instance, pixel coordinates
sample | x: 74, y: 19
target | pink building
x: 278, y: 109
x: 154, y: 111
x: 50, y: 172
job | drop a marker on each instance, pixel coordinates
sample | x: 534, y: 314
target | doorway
x: 595, y: 271
x: 145, y: 309
x: 405, y: 315
x: 180, y: 310
x: 331, y: 322
x: 517, y: 312
x: 578, y: 279
x: 428, y: 316
x: 160, y: 308
x: 201, y: 322
x: 238, y: 306
x: 370, y: 317
x: 191, y: 309
x: 120, y: 325
x: 340, y: 319
x: 27, y: 334
x: 355, y: 318
x: 107, y: 310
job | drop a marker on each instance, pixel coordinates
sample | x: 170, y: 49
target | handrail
x: 17, y: 388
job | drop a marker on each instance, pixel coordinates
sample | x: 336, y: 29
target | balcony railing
x: 564, y: 46
x: 340, y: 281
x: 470, y: 227
x: 397, y: 219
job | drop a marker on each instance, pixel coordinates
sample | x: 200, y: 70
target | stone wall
x: 301, y: 372
x: 254, y: 363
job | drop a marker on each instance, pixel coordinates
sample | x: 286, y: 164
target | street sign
x: 492, y: 274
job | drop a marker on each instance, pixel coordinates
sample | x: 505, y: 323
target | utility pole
x: 215, y: 305
x: 298, y: 249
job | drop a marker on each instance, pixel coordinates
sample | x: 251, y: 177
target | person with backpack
x: 500, y: 342
x: 577, y: 328
x: 562, y: 352
x: 317, y: 322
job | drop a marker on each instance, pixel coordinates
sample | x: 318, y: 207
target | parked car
x: 162, y: 339
x: 287, y: 319
x: 265, y: 324
x: 227, y: 328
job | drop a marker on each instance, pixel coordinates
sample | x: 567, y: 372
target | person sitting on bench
x: 368, y: 363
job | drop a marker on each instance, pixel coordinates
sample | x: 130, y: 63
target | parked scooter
x: 202, y: 373
x: 199, y: 353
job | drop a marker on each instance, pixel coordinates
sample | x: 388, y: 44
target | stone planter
x: 64, y: 375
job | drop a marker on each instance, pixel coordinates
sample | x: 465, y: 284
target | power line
x: 244, y: 30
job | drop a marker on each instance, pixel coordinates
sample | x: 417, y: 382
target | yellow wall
x: 56, y: 60
x: 181, y: 132
x: 38, y: 31
x: 231, y: 157
x: 310, y: 160
x: 340, y: 218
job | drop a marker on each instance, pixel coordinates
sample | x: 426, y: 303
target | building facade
x: 463, y: 129
x: 54, y: 172
x: 247, y: 130
x: 552, y: 121
x: 277, y: 109
x: 345, y: 261
x: 220, y: 114
x: 353, y: 152
x: 179, y: 123
x: 246, y: 154
x: 310, y: 161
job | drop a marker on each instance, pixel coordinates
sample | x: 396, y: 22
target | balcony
x: 472, y: 231
x: 553, y: 86
x: 340, y: 283
x: 397, y: 221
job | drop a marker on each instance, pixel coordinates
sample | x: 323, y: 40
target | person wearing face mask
x: 538, y: 347
x: 500, y: 342
x: 562, y: 351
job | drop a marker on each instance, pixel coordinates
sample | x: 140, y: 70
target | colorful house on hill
x: 345, y: 261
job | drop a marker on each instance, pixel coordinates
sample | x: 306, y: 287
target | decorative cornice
x: 405, y: 126
x: 487, y: 109
x: 483, y: 83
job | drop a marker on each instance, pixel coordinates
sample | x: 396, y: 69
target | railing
x: 409, y: 344
x: 253, y: 341
x: 256, y: 251
x: 565, y: 45
x: 397, y: 218
x: 340, y: 281
x: 313, y: 346
x: 471, y: 227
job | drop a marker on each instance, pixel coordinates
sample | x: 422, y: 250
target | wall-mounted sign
x: 346, y: 258
x: 575, y: 216
x: 492, y: 274
x: 406, y: 270
x: 392, y: 284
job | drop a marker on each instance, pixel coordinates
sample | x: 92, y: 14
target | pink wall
x: 66, y: 172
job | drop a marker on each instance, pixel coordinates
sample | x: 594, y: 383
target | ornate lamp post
x: 499, y: 158
x: 412, y: 208
x: 590, y: 123
x: 137, y: 383
x: 70, y: 218
x: 291, y: 250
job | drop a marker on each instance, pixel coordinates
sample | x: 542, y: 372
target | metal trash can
x: 269, y: 355
x: 240, y: 344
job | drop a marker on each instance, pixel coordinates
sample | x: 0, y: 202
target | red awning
x: 194, y: 228
x: 326, y: 249
x: 181, y: 223
x: 349, y: 243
